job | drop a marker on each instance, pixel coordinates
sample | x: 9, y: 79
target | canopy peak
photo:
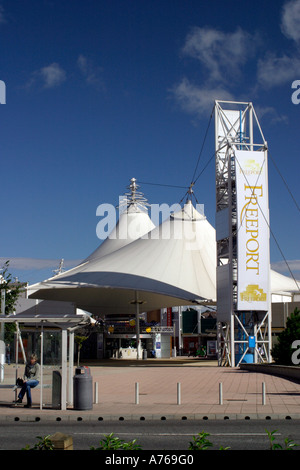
x: 133, y: 198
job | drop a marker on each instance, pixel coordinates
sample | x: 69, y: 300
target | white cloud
x: 52, y: 75
x: 290, y: 23
x: 2, y: 15
x: 223, y: 57
x: 196, y: 100
x: 275, y: 71
x: 222, y: 54
x: 273, y: 116
x: 281, y: 267
x: 92, y: 74
x: 49, y: 76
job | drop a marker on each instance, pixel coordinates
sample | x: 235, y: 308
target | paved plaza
x: 199, y: 395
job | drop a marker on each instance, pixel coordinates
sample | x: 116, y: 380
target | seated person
x: 31, y: 380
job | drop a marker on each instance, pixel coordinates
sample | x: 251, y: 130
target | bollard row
x: 137, y: 393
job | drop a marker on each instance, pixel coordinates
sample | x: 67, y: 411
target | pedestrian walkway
x: 199, y: 394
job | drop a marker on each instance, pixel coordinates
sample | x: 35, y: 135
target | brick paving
x: 199, y: 380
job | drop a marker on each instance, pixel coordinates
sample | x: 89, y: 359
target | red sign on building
x: 169, y: 316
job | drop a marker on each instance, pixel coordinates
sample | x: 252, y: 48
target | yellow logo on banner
x: 251, y: 167
x: 253, y: 294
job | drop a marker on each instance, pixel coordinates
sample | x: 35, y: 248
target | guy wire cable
x: 190, y: 191
x: 167, y: 185
x: 203, y: 143
x: 285, y: 183
x: 202, y: 171
x: 193, y: 182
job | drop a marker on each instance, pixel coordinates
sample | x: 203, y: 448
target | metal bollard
x: 96, y: 393
x: 220, y: 393
x: 178, y: 393
x: 263, y: 393
x: 137, y: 398
x: 2, y: 362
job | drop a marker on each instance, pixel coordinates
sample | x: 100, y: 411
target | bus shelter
x: 43, y: 315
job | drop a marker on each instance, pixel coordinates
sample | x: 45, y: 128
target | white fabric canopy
x: 132, y: 224
x: 175, y: 264
x: 281, y: 284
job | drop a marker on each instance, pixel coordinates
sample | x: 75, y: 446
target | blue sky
x: 98, y: 92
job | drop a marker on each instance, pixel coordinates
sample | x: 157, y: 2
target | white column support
x: 232, y: 348
x: 137, y: 325
x: 180, y: 344
x: 198, y: 322
x: 71, y: 367
x: 64, y: 369
x: 41, y: 367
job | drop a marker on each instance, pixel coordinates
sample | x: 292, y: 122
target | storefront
x: 123, y: 346
x: 119, y: 342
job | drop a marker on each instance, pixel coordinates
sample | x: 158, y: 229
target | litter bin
x: 83, y: 389
x: 144, y: 354
x: 56, y: 389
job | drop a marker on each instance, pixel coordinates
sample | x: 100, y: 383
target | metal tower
x: 242, y: 235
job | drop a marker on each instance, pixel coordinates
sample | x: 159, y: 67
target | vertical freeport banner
x: 253, y: 233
